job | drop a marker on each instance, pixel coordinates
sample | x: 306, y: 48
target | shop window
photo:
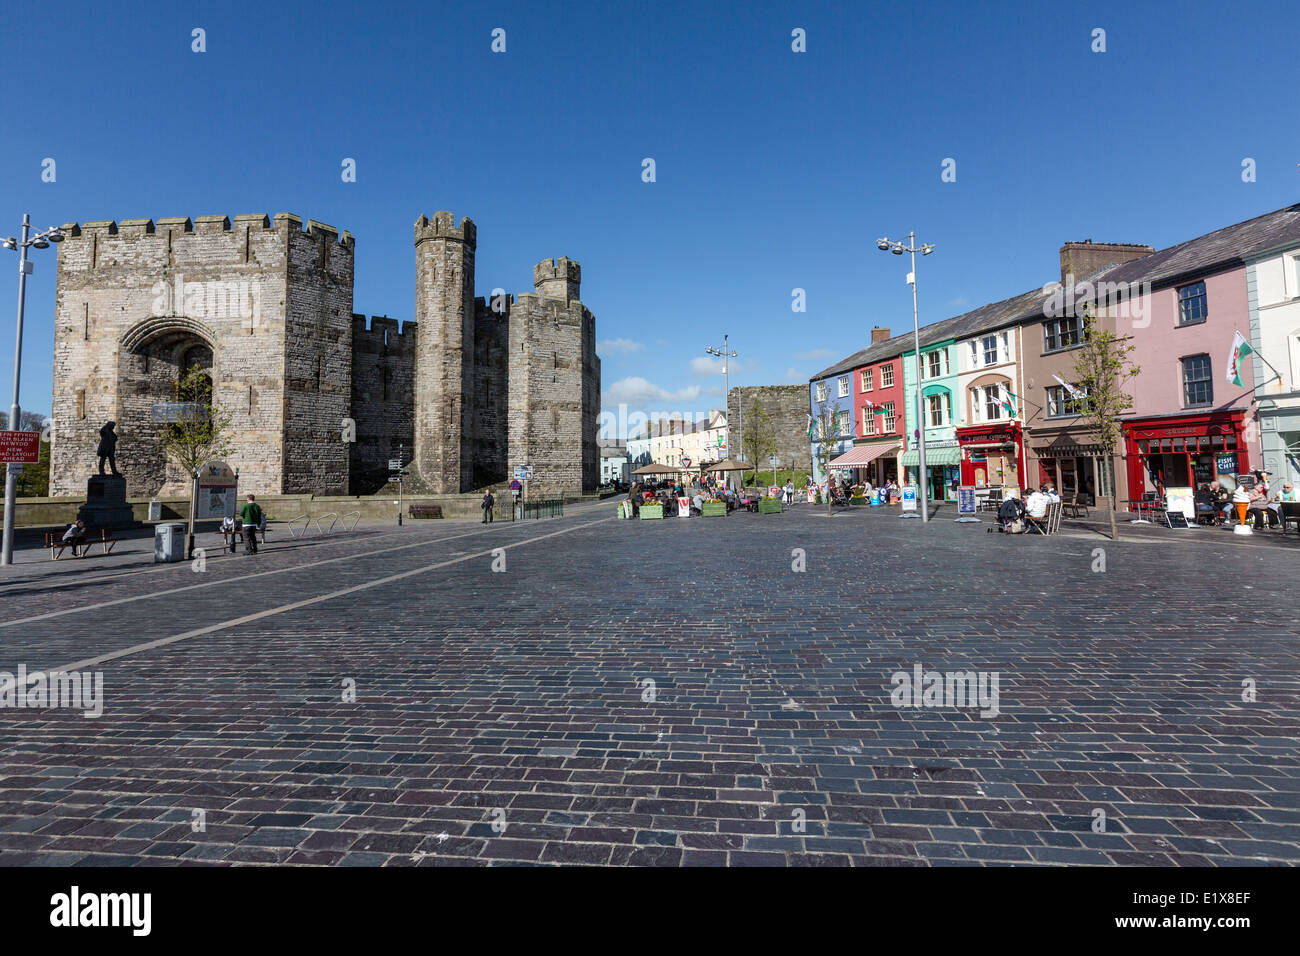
x: 1198, y: 386
x: 887, y: 375
x: 1192, y: 307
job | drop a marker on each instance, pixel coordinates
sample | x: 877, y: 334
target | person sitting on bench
x: 75, y: 536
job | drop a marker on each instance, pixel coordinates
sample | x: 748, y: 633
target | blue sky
x: 775, y: 170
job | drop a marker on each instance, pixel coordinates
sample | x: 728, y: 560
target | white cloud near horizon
x: 817, y: 354
x: 618, y: 346
x: 635, y: 390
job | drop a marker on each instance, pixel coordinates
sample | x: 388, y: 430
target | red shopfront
x: 1185, y: 452
x: 992, y: 456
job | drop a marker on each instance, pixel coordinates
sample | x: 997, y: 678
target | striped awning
x: 864, y: 455
x: 943, y: 455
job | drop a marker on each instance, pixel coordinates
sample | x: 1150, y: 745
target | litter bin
x: 168, y: 542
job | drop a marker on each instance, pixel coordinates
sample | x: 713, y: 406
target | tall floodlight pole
x: 739, y: 453
x: 897, y: 248
x: 40, y: 240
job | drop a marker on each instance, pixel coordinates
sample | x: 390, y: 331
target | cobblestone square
x: 667, y: 693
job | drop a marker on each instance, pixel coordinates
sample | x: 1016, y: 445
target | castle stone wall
x: 383, y: 381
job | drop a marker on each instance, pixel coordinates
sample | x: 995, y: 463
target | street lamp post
x: 739, y: 451
x: 40, y: 240
x: 897, y: 248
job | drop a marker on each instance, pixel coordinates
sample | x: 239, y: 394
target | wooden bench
x: 426, y: 511
x: 54, y: 541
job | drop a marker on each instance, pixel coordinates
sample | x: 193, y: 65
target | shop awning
x: 864, y: 455
x: 943, y: 455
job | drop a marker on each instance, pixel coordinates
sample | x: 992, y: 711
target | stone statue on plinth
x: 106, y: 506
x: 107, y: 450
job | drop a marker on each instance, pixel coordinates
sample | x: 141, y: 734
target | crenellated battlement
x: 558, y: 279
x: 204, y: 225
x: 443, y: 226
x: 563, y: 268
x: 383, y: 331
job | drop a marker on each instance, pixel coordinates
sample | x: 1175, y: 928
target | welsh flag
x: 1240, y: 349
x: 1008, y: 402
x: 875, y: 409
x: 811, y: 427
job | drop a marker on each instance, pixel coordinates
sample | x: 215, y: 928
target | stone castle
x: 319, y: 400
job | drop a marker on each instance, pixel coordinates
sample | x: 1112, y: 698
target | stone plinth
x: 106, y: 505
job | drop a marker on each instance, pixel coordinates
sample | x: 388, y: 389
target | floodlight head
x: 42, y: 243
x: 927, y: 249
x: 10, y: 243
x: 882, y: 244
x: 56, y: 235
x: 897, y: 249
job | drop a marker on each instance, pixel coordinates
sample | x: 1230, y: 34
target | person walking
x: 488, y: 503
x: 250, y: 516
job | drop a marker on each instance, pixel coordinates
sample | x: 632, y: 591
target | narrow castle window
x: 81, y: 403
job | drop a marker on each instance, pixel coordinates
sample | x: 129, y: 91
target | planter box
x: 857, y: 502
x: 651, y: 511
x: 714, y: 509
x: 769, y: 506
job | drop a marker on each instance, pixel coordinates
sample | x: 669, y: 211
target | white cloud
x: 635, y: 390
x: 623, y: 346
x: 817, y: 354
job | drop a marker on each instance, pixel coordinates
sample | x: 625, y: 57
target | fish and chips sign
x: 218, y: 489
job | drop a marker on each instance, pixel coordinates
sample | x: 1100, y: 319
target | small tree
x: 827, y: 425
x: 1101, y: 371
x: 199, y: 432
x: 759, y: 436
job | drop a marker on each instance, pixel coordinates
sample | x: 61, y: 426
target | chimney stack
x: 879, y: 335
x: 1081, y: 259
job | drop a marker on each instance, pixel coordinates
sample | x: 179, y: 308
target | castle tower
x: 444, y: 350
x: 554, y: 382
x: 557, y: 280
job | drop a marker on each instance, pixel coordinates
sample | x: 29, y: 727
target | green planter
x: 769, y: 506
x: 857, y: 502
x: 651, y: 511
x: 715, y: 509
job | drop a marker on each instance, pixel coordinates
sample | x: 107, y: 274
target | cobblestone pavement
x: 667, y: 693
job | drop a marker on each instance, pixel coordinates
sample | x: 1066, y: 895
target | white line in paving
x: 239, y: 577
x: 90, y: 662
